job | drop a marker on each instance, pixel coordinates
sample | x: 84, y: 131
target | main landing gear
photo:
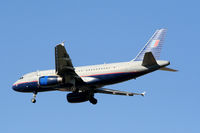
x: 33, y: 100
x: 93, y: 100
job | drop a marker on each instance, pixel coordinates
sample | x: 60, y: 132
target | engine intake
x: 77, y: 97
x: 50, y: 80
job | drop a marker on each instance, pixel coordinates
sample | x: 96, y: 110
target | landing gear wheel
x: 93, y: 100
x: 33, y: 100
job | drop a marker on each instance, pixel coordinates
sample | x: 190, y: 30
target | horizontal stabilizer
x: 149, y: 59
x: 168, y: 69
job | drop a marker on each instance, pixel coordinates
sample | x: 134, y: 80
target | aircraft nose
x: 14, y: 87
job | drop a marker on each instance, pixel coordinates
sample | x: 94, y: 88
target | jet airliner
x: 85, y: 81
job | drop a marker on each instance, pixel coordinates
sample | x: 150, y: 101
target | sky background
x: 101, y: 31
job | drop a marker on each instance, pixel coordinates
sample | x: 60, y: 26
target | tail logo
x: 155, y: 43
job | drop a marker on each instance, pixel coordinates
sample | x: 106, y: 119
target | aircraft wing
x: 117, y: 92
x: 64, y: 66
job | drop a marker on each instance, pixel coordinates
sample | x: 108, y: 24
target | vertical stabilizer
x: 154, y: 45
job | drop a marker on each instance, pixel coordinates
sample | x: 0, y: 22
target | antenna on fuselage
x: 38, y: 72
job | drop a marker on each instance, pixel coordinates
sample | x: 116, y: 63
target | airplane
x: 85, y: 81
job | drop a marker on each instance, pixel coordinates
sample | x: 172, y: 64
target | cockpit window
x: 21, y: 77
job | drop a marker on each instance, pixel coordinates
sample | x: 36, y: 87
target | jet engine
x: 77, y: 97
x: 46, y: 81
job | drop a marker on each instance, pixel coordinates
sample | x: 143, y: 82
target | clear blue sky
x: 98, y: 31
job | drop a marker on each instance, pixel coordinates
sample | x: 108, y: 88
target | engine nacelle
x: 47, y: 81
x: 77, y: 97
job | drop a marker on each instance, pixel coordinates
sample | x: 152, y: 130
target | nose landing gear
x: 33, y: 100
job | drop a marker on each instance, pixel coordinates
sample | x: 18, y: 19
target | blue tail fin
x: 154, y: 45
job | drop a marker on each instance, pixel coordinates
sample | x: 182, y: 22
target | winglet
x: 143, y: 94
x: 63, y: 43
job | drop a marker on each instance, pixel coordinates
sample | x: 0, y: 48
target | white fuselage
x: 97, y: 75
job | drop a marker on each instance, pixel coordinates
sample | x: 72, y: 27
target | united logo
x: 155, y: 43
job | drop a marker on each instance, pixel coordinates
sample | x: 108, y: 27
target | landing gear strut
x: 33, y: 100
x: 93, y: 100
